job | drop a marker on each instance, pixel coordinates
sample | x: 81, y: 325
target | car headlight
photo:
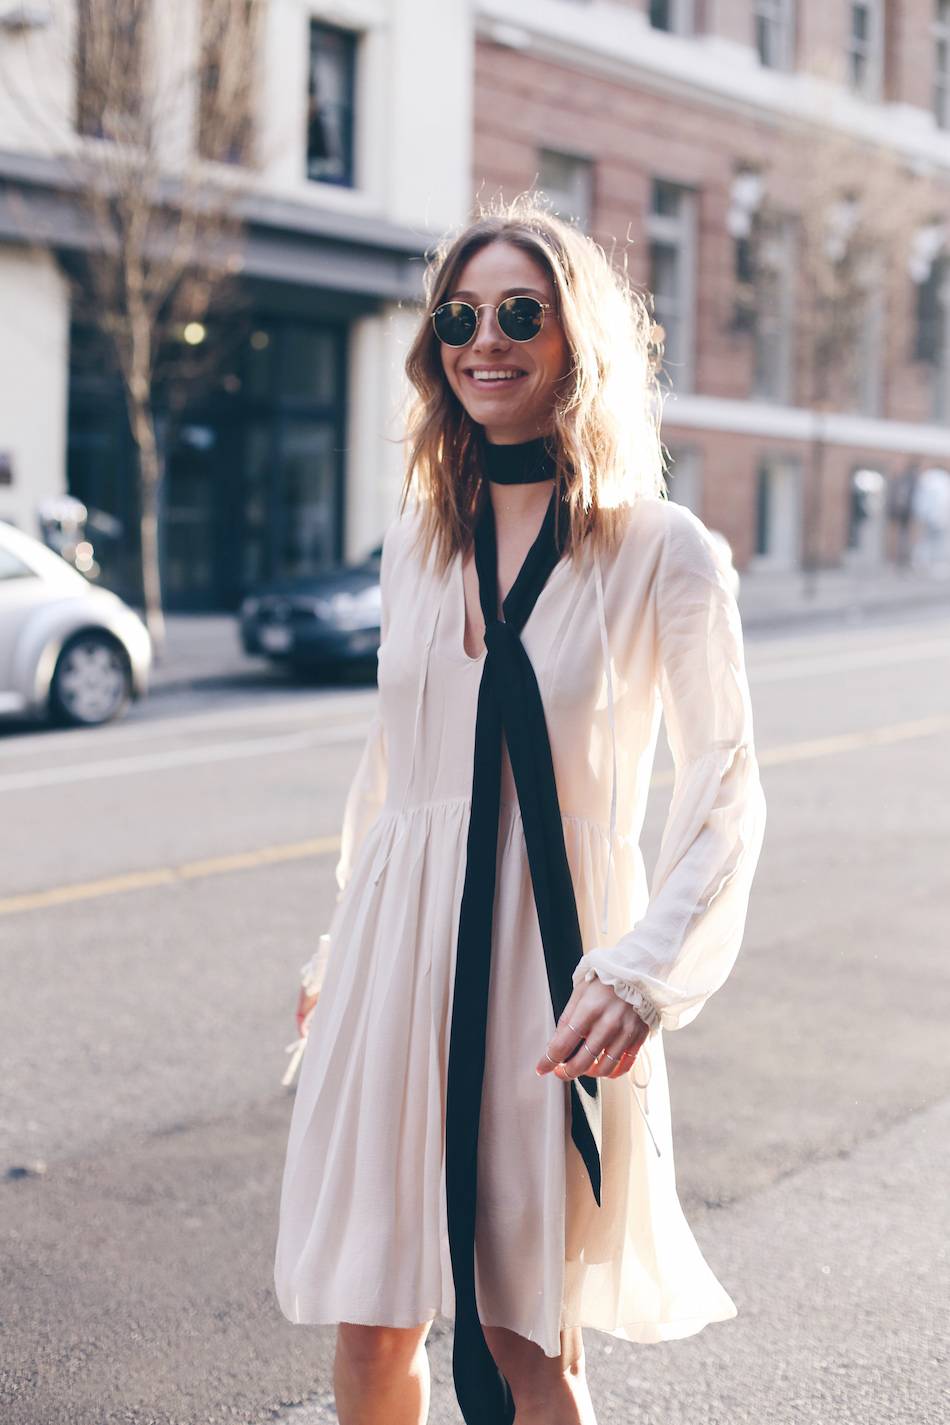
x: 249, y: 607
x: 358, y: 610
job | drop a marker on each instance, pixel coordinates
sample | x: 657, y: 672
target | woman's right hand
x: 305, y: 1007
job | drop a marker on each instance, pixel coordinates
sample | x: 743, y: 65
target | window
x: 929, y: 334
x: 865, y: 49
x: 772, y: 323
x: 778, y: 512
x: 868, y: 356
x: 670, y: 228
x: 933, y: 320
x: 744, y: 306
x: 676, y: 16
x: 942, y: 64
x: 228, y: 43
x: 684, y: 478
x: 110, y: 69
x: 775, y: 32
x: 331, y: 98
x: 745, y: 198
x: 569, y: 183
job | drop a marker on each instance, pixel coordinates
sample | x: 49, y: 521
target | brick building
x: 662, y: 125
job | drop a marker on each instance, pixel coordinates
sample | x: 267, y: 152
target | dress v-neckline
x: 467, y: 657
x: 545, y: 531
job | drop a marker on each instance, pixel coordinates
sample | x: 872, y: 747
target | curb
x: 255, y: 677
x: 858, y: 611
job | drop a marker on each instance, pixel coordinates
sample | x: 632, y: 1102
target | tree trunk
x: 149, y: 481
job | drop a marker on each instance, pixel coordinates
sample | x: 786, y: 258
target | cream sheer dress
x: 651, y: 629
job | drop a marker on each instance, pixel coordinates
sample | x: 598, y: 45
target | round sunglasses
x: 519, y: 318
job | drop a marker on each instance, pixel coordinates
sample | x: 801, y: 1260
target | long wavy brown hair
x: 607, y: 413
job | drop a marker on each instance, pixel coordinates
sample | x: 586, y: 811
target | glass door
x: 308, y: 505
x: 189, y: 517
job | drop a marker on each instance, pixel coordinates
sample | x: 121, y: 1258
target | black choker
x: 523, y: 464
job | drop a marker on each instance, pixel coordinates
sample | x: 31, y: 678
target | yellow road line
x: 850, y: 741
x: 170, y: 875
x: 784, y: 754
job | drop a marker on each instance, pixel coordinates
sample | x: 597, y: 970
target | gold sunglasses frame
x: 545, y: 308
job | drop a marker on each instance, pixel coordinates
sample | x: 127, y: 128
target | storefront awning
x: 282, y: 241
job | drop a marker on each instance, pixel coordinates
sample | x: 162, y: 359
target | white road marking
x: 182, y: 757
x: 291, y: 709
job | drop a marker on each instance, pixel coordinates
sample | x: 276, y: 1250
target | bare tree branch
x: 156, y: 142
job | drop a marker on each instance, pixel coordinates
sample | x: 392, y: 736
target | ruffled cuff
x: 632, y: 993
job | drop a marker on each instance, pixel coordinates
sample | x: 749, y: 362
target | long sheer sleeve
x: 686, y: 943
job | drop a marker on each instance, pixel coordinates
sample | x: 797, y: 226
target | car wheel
x: 92, y: 681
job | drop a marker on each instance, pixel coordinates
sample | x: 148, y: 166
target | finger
x: 572, y: 1029
x: 610, y: 1036
x: 615, y: 1044
x: 627, y: 1061
x: 305, y: 1007
x: 597, y: 1019
x: 626, y: 1048
x: 581, y: 1062
x: 609, y: 1065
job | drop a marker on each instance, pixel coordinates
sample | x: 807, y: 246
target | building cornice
x: 795, y: 423
x: 618, y: 43
x: 283, y: 239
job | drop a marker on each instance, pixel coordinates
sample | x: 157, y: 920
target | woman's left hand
x: 601, y: 1021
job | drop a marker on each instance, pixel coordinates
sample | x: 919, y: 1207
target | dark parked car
x: 316, y: 623
x: 332, y: 620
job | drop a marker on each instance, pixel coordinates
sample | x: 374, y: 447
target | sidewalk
x: 204, y: 650
x: 774, y: 599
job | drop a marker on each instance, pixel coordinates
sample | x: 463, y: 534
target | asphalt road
x: 160, y: 883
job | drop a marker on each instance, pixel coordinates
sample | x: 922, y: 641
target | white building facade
x: 362, y: 132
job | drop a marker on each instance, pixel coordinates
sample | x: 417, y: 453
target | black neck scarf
x: 523, y: 464
x: 509, y: 704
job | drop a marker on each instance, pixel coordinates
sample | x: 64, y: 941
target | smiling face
x: 509, y: 387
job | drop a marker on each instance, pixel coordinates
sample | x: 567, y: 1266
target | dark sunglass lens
x: 454, y: 323
x: 520, y: 318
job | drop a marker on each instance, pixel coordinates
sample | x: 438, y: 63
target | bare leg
x: 381, y: 1375
x: 548, y: 1390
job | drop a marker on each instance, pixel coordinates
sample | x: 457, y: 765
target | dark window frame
x: 941, y: 35
x: 345, y: 118
x: 775, y: 33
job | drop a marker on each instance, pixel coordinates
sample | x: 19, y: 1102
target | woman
x: 482, y: 1123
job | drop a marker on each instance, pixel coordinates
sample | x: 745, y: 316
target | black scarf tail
x: 509, y: 705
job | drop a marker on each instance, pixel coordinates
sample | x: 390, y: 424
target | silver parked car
x: 69, y: 651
